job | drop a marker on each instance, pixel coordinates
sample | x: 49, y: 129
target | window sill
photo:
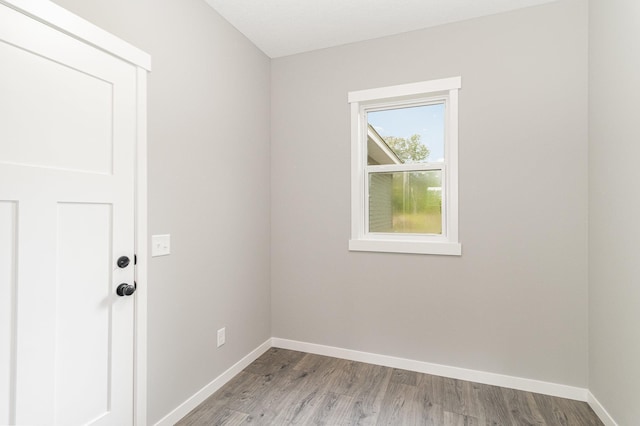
x: 415, y: 247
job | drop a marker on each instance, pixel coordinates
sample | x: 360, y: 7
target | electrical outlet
x: 221, y: 337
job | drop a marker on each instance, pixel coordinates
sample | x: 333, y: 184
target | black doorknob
x: 125, y: 289
x: 123, y: 262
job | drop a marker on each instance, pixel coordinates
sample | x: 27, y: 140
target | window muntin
x: 404, y: 168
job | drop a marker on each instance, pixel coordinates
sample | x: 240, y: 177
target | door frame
x: 64, y: 21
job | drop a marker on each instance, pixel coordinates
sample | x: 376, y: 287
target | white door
x: 67, y: 144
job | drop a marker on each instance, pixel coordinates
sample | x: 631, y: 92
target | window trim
x: 414, y: 93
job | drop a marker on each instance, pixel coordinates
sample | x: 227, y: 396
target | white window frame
x: 421, y: 93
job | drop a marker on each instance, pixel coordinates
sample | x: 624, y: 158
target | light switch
x: 160, y: 245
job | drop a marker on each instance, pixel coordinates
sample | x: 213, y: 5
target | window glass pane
x: 406, y: 202
x: 406, y: 135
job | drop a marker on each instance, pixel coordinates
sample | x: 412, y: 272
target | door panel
x: 83, y: 312
x: 73, y: 115
x: 67, y: 143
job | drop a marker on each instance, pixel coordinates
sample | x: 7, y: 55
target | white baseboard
x: 204, y: 393
x: 600, y: 411
x: 512, y: 382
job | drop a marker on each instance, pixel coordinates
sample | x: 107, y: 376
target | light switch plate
x: 160, y: 245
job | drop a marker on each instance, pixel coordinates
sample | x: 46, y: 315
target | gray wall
x: 208, y: 114
x: 614, y: 207
x: 516, y: 301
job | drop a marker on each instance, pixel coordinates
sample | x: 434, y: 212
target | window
x: 404, y: 168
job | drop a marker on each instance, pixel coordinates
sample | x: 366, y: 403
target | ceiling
x: 285, y: 27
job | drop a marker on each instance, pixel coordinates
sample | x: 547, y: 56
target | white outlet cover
x: 160, y: 245
x: 221, y: 337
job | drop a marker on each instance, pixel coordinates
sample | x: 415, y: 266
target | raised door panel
x: 84, y: 301
x: 71, y: 108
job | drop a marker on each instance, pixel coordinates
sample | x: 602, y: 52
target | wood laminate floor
x: 285, y: 387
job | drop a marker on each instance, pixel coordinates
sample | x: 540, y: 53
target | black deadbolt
x: 123, y: 262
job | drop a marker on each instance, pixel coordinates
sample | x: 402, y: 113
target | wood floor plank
x: 287, y: 388
x: 223, y: 416
x: 565, y: 412
x: 473, y: 394
x: 404, y: 376
x: 290, y: 395
x: 455, y: 419
x: 244, y: 391
x: 224, y: 399
x: 522, y: 408
x: 299, y: 407
x: 274, y: 361
x: 336, y: 409
x: 430, y: 414
x: 433, y: 388
x: 496, y: 411
x: 368, y: 395
x: 355, y: 378
x: 313, y: 363
x: 456, y: 396
x: 398, y: 407
x: 321, y: 372
x: 579, y: 412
